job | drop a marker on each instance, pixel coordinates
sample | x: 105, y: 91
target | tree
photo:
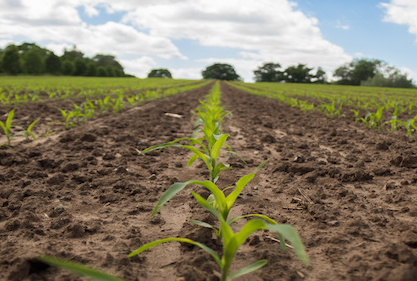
x: 357, y: 71
x: 269, y: 73
x: 53, y: 64
x: 72, y: 54
x: 162, y: 72
x: 107, y: 60
x: 220, y: 71
x: 91, y: 69
x: 109, y: 71
x: 11, y: 60
x: 32, y: 63
x: 101, y: 71
x: 68, y: 67
x: 389, y: 76
x: 80, y: 67
x: 298, y: 74
x: 320, y: 76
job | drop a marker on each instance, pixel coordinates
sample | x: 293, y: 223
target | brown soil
x: 86, y: 196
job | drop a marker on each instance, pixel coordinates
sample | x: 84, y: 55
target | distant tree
x: 101, y: 71
x: 269, y: 72
x: 91, y: 69
x: 68, y: 67
x: 80, y: 67
x: 298, y: 74
x: 32, y: 62
x: 109, y: 71
x: 117, y: 72
x: 162, y: 73
x: 357, y: 71
x: 389, y: 76
x: 320, y: 76
x: 53, y: 64
x: 72, y: 54
x: 107, y: 60
x: 220, y: 71
x: 11, y: 60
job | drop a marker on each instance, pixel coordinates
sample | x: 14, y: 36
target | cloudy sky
x: 186, y: 36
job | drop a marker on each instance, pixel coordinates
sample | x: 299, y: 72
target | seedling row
x: 384, y: 109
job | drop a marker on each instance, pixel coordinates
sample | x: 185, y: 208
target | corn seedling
x: 28, y: 132
x: 356, y: 113
x: 232, y: 241
x: 7, y: 127
x: 394, y: 120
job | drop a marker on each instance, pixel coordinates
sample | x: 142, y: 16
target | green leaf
x: 9, y: 119
x: 79, y: 269
x: 184, y: 240
x: 171, y: 191
x: 292, y: 236
x: 248, y: 269
x: 206, y: 205
x: 215, y: 150
x: 240, y: 185
x: 192, y: 159
x: 31, y: 125
x: 204, y: 224
x: 269, y: 220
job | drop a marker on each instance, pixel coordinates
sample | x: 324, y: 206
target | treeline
x: 31, y: 59
x: 359, y: 72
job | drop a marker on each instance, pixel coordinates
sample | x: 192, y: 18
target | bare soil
x: 85, y: 195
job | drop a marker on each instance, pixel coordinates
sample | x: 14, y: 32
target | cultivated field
x: 82, y: 192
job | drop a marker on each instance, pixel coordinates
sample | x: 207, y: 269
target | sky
x: 186, y: 36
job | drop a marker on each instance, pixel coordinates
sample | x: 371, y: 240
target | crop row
x: 375, y: 108
x: 18, y: 90
x: 208, y: 144
x: 94, y: 105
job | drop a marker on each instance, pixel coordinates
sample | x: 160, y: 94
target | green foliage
x: 32, y: 63
x: 394, y: 79
x: 101, y: 71
x: 79, y: 269
x: 53, y: 64
x: 220, y: 71
x: 269, y: 72
x: 298, y: 74
x: 91, y: 69
x: 68, y: 67
x: 162, y: 73
x: 28, y: 132
x: 11, y: 60
x: 7, y: 126
x: 80, y: 67
x: 357, y: 71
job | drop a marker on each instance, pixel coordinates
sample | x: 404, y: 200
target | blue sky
x: 188, y: 35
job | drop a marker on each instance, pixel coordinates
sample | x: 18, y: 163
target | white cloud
x: 186, y: 73
x: 402, y: 12
x: 276, y: 33
x: 139, y: 67
x: 58, y: 23
x: 260, y: 31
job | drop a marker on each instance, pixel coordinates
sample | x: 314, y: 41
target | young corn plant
x: 394, y: 121
x: 7, y: 127
x: 28, y: 132
x: 220, y: 206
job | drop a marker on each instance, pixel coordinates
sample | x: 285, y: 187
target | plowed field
x: 85, y: 195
